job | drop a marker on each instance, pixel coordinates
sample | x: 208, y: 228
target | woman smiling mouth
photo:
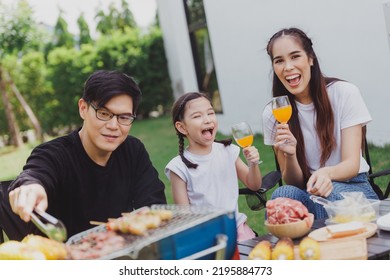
x: 293, y: 80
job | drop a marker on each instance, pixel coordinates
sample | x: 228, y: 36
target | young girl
x: 319, y: 150
x: 206, y: 172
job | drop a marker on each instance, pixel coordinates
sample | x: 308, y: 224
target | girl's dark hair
x: 103, y: 85
x: 178, y: 110
x: 317, y: 88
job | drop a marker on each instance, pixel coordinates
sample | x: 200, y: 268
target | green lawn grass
x: 12, y: 160
x: 161, y: 141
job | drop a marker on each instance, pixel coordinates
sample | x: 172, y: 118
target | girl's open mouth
x: 208, y: 133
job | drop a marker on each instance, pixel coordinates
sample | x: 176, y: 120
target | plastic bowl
x: 292, y: 230
x: 361, y: 213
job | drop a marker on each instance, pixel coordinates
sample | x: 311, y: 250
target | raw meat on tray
x: 284, y: 210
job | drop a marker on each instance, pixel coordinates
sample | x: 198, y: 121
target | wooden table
x: 378, y: 246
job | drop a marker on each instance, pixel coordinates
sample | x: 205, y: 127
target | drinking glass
x: 281, y: 109
x: 243, y: 134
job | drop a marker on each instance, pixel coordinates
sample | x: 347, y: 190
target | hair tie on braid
x: 225, y: 142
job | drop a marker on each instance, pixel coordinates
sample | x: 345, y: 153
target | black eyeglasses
x: 105, y: 115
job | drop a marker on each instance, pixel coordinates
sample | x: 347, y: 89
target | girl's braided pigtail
x: 188, y: 163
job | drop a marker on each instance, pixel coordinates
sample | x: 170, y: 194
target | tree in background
x: 62, y: 37
x: 120, y: 50
x: 155, y: 82
x: 143, y: 57
x: 126, y: 17
x: 84, y: 35
x: 52, y: 80
x: 13, y: 127
x: 32, y: 90
x: 64, y: 75
x: 19, y: 33
x: 106, y: 22
x: 115, y: 19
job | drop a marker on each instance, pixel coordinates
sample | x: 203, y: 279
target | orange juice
x: 282, y: 114
x: 245, y: 141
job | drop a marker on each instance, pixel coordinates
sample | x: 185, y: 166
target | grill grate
x: 184, y: 217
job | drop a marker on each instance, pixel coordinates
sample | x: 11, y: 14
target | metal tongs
x: 49, y: 225
x: 321, y: 200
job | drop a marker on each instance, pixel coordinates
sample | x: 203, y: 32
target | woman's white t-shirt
x: 349, y: 110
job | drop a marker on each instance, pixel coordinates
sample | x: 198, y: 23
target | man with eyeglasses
x: 96, y: 172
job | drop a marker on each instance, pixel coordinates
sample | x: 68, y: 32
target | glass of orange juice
x: 243, y: 134
x: 282, y: 111
x: 281, y: 108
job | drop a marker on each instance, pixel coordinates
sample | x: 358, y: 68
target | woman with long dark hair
x: 319, y: 149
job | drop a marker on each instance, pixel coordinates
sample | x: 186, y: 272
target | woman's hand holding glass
x: 243, y: 136
x: 285, y: 140
x: 282, y: 111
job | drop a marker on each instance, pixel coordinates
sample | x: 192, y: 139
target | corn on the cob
x: 283, y: 250
x: 262, y: 251
x: 15, y: 250
x: 53, y: 250
x: 309, y: 249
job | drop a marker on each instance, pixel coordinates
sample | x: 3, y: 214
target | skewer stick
x: 96, y: 223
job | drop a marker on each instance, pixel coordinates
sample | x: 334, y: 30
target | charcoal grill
x: 193, y: 233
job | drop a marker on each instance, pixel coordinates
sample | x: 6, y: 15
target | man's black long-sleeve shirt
x: 79, y: 190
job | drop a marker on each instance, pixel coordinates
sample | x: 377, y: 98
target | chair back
x: 3, y: 195
x: 374, y: 186
x: 378, y: 174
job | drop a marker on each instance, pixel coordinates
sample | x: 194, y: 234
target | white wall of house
x: 350, y: 39
x: 177, y: 46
